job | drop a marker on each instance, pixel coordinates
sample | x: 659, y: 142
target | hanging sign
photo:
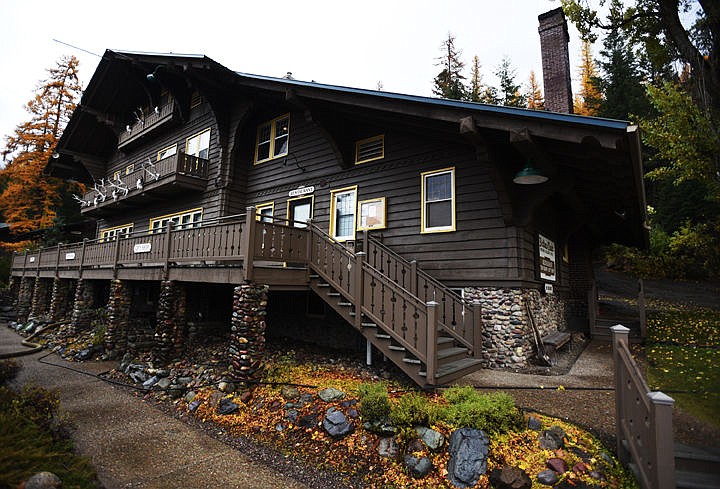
x: 70, y: 256
x: 32, y: 259
x: 142, y: 248
x: 301, y: 191
x: 546, y: 252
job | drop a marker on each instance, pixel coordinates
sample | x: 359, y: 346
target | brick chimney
x: 554, y: 40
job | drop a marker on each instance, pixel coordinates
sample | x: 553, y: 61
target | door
x: 299, y: 211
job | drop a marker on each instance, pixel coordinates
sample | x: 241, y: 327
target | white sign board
x: 70, y: 256
x: 142, y: 248
x: 548, y: 288
x: 301, y: 191
x: 546, y: 252
x: 32, y: 259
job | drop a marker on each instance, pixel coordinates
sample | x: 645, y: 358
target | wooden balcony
x: 135, y: 133
x: 172, y: 175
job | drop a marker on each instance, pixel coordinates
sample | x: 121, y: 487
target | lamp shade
x: 529, y: 176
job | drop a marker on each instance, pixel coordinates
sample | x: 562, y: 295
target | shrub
x: 494, y: 413
x: 414, y: 409
x: 374, y: 401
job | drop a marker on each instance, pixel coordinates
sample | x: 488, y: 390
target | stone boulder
x: 432, y: 439
x: 336, y: 424
x: 418, y: 467
x: 43, y: 480
x: 226, y: 406
x: 468, y: 450
x: 510, y: 478
x: 388, y: 448
x: 331, y: 394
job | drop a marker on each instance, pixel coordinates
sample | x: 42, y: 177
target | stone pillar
x: 82, y: 308
x: 14, y: 286
x: 61, y: 303
x: 118, y: 316
x: 25, y: 296
x: 41, y: 297
x: 247, y: 340
x: 170, y: 326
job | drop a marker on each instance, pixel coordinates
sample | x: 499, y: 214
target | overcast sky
x: 357, y: 44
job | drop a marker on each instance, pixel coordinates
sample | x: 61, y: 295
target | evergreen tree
x: 29, y: 199
x: 535, y: 99
x: 449, y: 82
x: 509, y: 93
x: 476, y: 86
x: 588, y: 101
x: 490, y: 96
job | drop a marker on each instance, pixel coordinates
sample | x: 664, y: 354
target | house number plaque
x: 142, y: 248
x: 70, y: 256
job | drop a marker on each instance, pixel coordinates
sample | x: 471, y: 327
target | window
x: 181, y: 220
x: 272, y: 139
x: 264, y: 212
x: 199, y: 145
x: 342, y: 213
x: 166, y: 152
x: 118, y: 231
x: 371, y: 214
x: 370, y: 149
x: 116, y: 175
x: 299, y: 211
x: 195, y: 99
x: 129, y: 169
x: 438, y: 201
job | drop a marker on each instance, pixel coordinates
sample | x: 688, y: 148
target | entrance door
x: 299, y: 211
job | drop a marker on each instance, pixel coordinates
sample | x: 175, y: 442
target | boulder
x: 336, y: 423
x: 534, y: 423
x: 510, y: 478
x: 289, y: 393
x: 163, y: 383
x: 226, y: 406
x: 547, y: 477
x: 432, y: 439
x: 43, y: 480
x: 331, y: 394
x: 468, y: 456
x: 192, y: 407
x: 549, y: 440
x: 418, y: 467
x: 557, y: 464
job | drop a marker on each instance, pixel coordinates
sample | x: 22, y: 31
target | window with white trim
x: 199, y: 145
x: 110, y: 234
x: 370, y: 149
x: 166, y: 152
x: 272, y: 139
x: 438, y: 201
x: 182, y: 220
x: 342, y: 213
x: 264, y: 212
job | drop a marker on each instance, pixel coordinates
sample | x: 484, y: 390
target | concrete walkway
x: 130, y: 443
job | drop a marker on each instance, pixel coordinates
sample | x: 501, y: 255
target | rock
x: 292, y: 415
x: 534, y: 423
x: 430, y: 437
x: 415, y: 446
x: 163, y: 383
x: 388, y: 447
x: 184, y: 380
x: 289, y: 393
x: 418, y: 467
x: 226, y: 406
x: 43, y: 480
x: 192, y: 407
x: 150, y: 382
x: 138, y: 376
x: 382, y: 428
x: 557, y: 464
x: 215, y: 397
x: 306, y: 398
x: 468, y: 456
x: 308, y: 421
x: 582, y: 454
x: 246, y: 396
x: 336, y: 423
x: 85, y: 354
x: 190, y: 396
x: 331, y: 394
x: 547, y: 477
x: 549, y: 440
x: 510, y: 478
x: 223, y: 386
x: 580, y: 468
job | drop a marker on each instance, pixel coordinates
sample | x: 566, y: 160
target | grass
x: 683, y: 356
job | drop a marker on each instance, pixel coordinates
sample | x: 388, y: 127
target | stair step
x: 396, y: 348
x: 351, y: 313
x: 333, y: 294
x: 696, y: 480
x: 454, y: 370
x: 344, y: 304
x: 323, y: 284
x: 445, y: 342
x: 414, y: 361
x: 696, y: 458
x: 368, y: 325
x: 313, y: 276
x: 383, y: 336
x: 452, y: 354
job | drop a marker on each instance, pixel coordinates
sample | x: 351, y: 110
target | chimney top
x: 554, y: 39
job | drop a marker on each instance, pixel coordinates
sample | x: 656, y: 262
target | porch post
x: 619, y: 341
x: 431, y: 345
x: 247, y: 243
x: 477, y: 328
x: 358, y: 279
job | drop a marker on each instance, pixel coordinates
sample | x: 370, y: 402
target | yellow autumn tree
x: 30, y: 200
x: 587, y: 102
x: 535, y: 99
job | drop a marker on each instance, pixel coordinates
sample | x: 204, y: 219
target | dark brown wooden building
x: 433, y: 227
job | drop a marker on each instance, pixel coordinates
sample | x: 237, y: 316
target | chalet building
x: 442, y: 232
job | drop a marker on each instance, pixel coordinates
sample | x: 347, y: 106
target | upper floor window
x: 116, y: 175
x: 165, y: 152
x: 181, y: 220
x: 111, y: 234
x: 370, y: 149
x: 272, y: 139
x: 342, y: 213
x: 264, y: 212
x: 438, y: 201
x: 199, y: 145
x: 130, y: 168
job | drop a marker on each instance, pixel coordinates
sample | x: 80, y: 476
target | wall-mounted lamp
x: 529, y: 176
x: 152, y: 77
x: 55, y: 155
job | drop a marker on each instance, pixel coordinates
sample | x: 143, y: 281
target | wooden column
x: 619, y: 340
x: 477, y: 329
x: 358, y: 282
x: 431, y: 345
x: 247, y: 243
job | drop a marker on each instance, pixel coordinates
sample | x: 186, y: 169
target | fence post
x: 117, y: 255
x: 247, y: 244
x: 358, y: 279
x: 168, y: 247
x: 431, y: 345
x: 477, y: 328
x: 82, y: 258
x: 641, y: 309
x: 662, y: 454
x: 592, y: 307
x: 57, y: 262
x: 619, y: 340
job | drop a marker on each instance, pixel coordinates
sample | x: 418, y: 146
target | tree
x: 31, y: 200
x: 449, y: 82
x: 535, y: 98
x: 476, y: 85
x: 509, y: 93
x: 588, y: 101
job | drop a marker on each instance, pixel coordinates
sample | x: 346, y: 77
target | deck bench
x: 554, y: 341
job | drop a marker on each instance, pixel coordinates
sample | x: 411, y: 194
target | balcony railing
x: 147, y: 123
x: 181, y: 170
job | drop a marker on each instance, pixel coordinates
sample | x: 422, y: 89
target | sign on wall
x: 372, y: 214
x: 142, y: 248
x: 301, y: 191
x: 546, y: 252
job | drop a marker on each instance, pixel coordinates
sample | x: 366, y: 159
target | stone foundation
x: 14, y: 286
x: 82, y: 313
x: 118, y: 317
x: 507, y: 334
x: 61, y: 303
x: 41, y: 297
x: 247, y: 340
x: 24, y: 298
x: 170, y: 326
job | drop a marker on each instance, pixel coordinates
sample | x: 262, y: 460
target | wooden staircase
x: 696, y: 467
x: 604, y: 316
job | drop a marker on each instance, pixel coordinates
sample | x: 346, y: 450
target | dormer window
x: 272, y: 139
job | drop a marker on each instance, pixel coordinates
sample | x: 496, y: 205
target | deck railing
x: 643, y: 420
x: 147, y: 122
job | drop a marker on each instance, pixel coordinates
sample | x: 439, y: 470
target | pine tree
x: 31, y: 200
x: 449, y: 82
x: 476, y: 86
x: 588, y: 101
x: 509, y: 90
x: 535, y: 99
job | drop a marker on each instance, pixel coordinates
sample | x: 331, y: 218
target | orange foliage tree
x: 535, y: 98
x: 30, y: 200
x: 587, y: 102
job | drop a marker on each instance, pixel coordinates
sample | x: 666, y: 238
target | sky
x: 357, y: 44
